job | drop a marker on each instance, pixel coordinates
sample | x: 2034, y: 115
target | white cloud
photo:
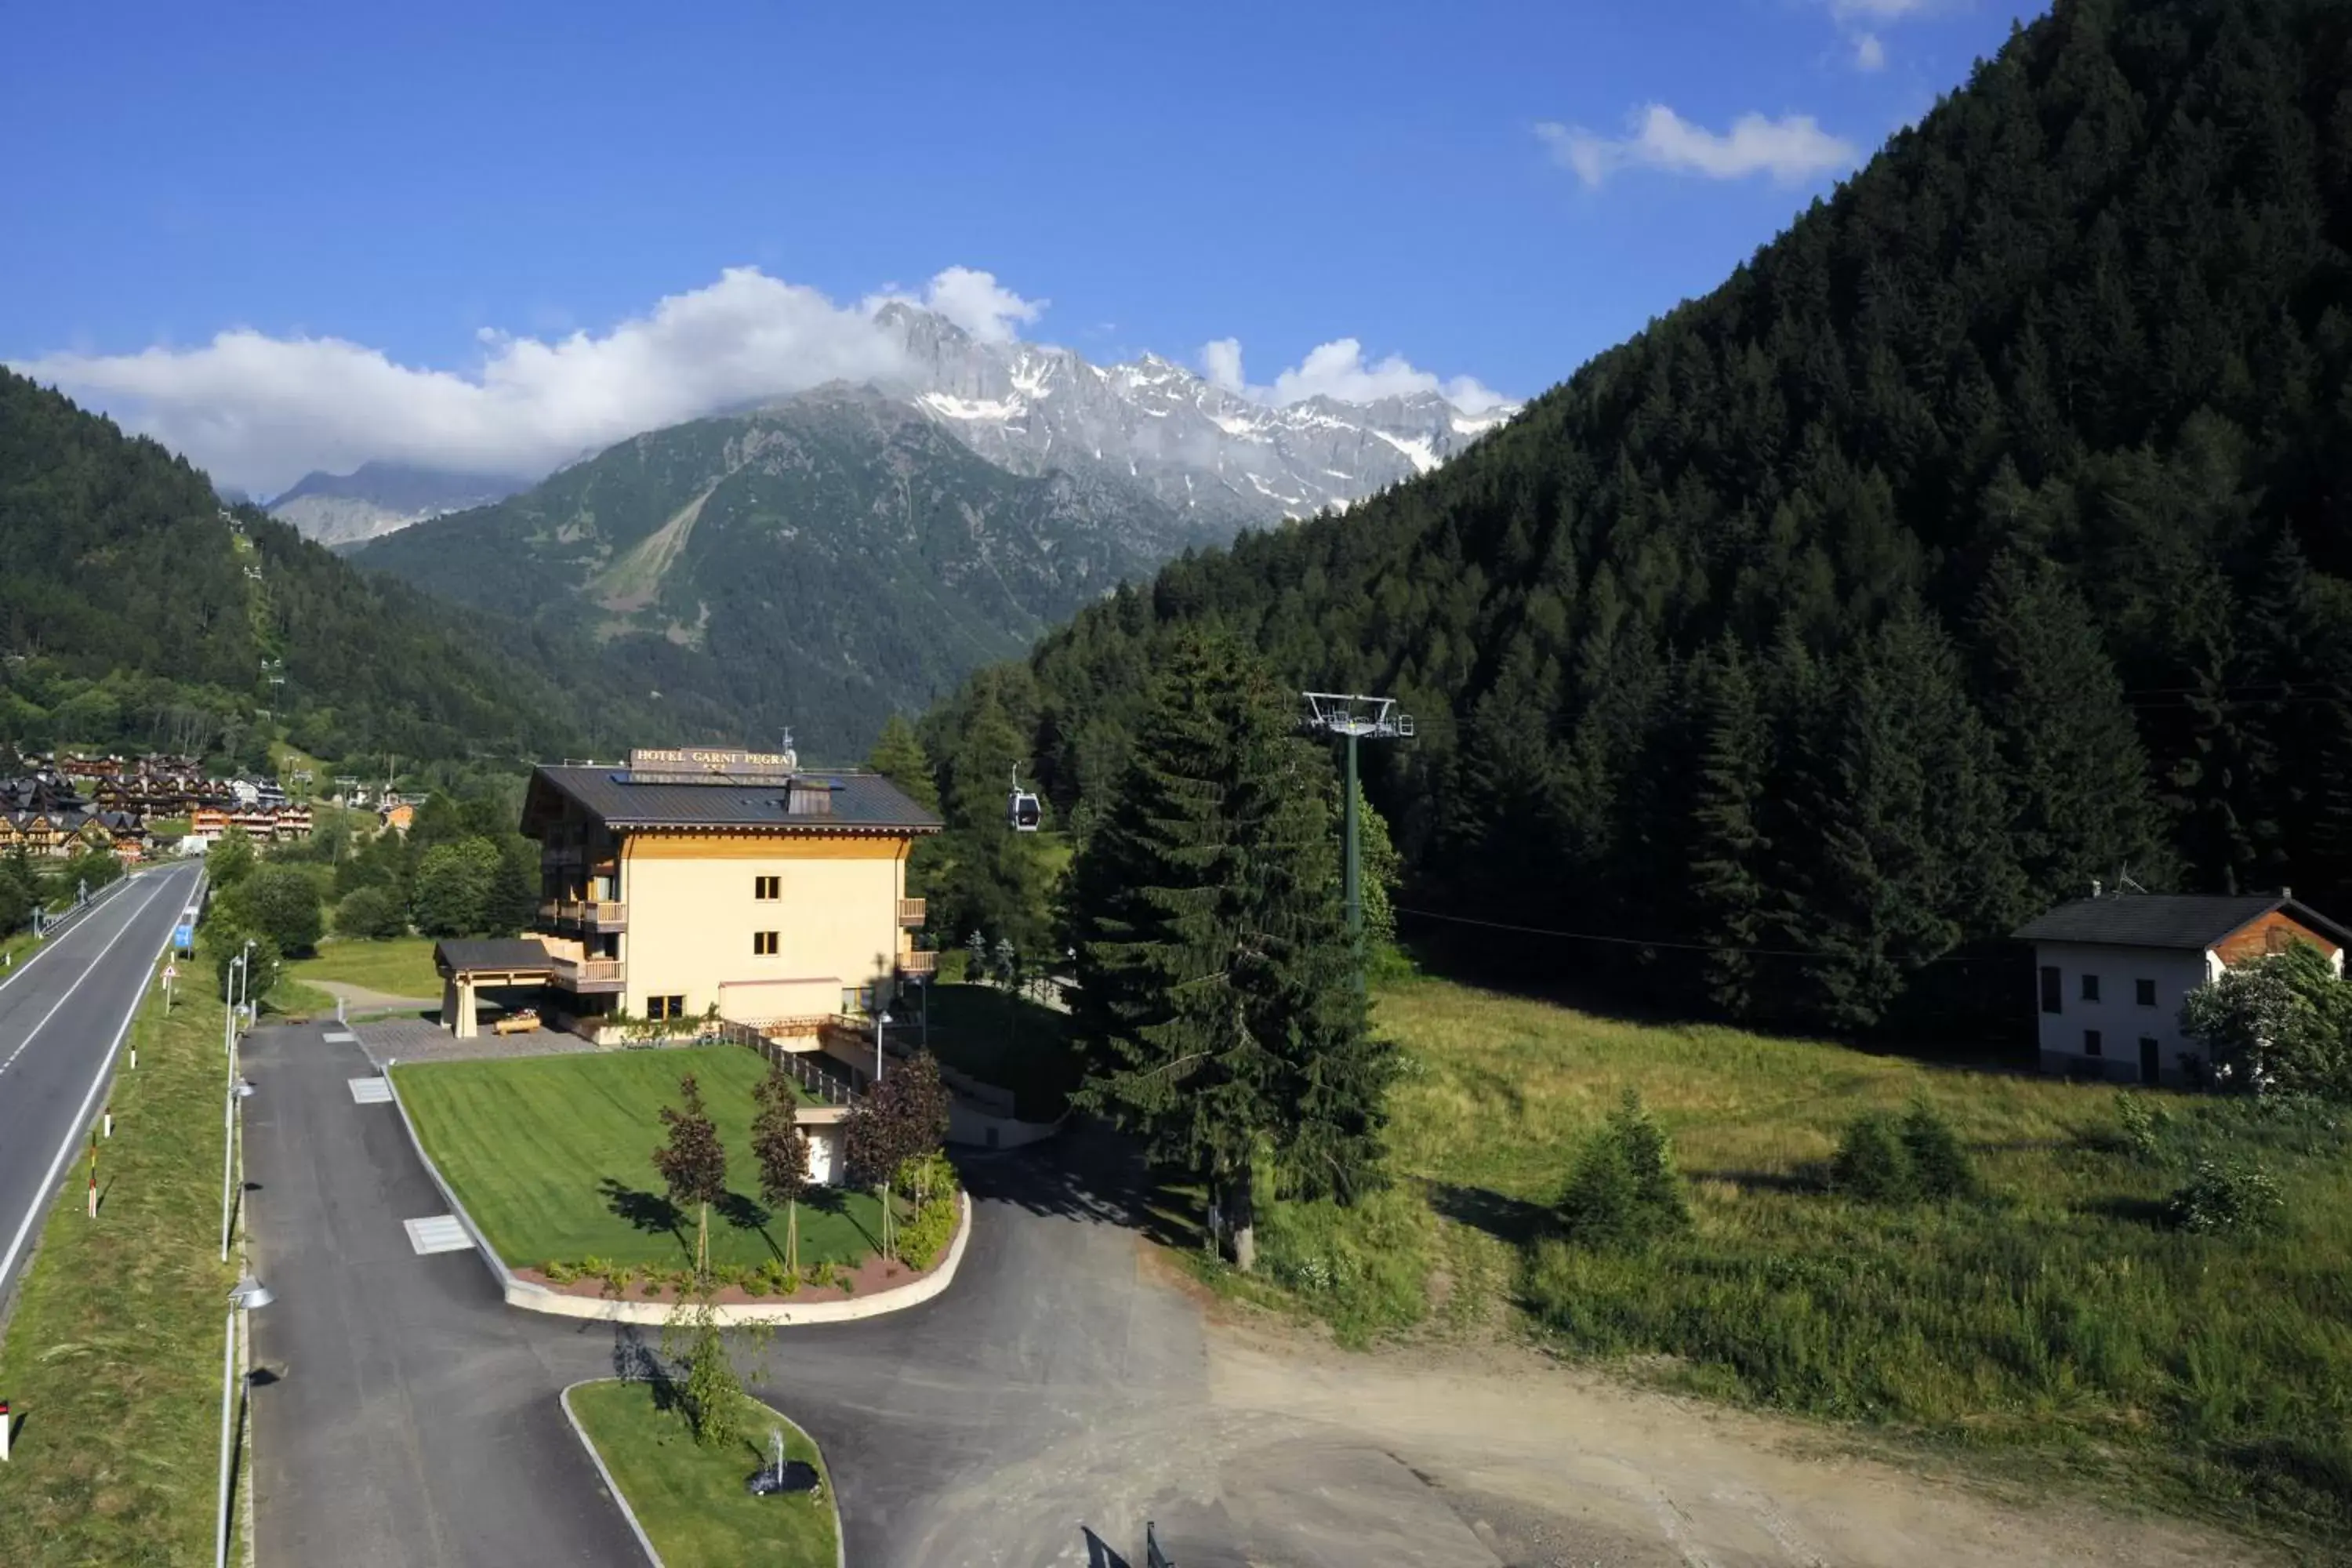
x: 257, y: 412
x: 973, y: 300
x: 1883, y: 10
x: 1869, y: 54
x: 1337, y: 370
x: 1791, y: 149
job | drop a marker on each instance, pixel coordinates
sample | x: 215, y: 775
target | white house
x: 2111, y: 972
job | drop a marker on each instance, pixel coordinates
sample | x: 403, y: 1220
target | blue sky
x: 1482, y: 190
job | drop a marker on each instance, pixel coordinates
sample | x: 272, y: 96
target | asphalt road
x: 63, y: 1011
x: 402, y: 1414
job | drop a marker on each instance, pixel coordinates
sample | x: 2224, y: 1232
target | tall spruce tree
x: 1729, y: 854
x: 1215, y: 1003
x: 2080, y: 802
x: 1908, y: 855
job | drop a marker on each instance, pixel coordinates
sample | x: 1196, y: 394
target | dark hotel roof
x: 861, y: 801
x: 2169, y: 920
x: 497, y: 953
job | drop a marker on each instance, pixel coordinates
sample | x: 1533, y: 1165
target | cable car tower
x: 1022, y: 812
x: 1355, y: 718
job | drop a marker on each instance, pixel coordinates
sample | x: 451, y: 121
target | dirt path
x: 1542, y: 1464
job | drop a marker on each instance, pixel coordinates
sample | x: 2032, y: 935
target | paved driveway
x: 402, y: 1414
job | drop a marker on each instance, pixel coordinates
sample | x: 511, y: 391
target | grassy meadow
x: 401, y: 966
x: 2058, y: 1317
x: 554, y: 1158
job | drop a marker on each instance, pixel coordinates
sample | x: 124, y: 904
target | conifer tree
x: 1730, y: 850
x: 899, y: 756
x: 1215, y: 1004
x: 2080, y: 805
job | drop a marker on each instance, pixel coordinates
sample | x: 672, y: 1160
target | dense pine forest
x: 1984, y: 536
x: 136, y: 610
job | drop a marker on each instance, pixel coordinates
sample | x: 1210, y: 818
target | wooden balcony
x: 918, y: 965
x: 589, y: 976
x: 584, y: 914
x: 913, y: 912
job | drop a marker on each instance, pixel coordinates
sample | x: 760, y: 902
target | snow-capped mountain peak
x: 1224, y: 460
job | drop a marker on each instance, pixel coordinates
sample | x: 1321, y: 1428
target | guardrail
x: 812, y: 1071
x: 607, y: 914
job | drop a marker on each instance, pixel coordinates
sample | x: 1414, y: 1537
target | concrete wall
x: 2118, y: 1016
x: 692, y: 914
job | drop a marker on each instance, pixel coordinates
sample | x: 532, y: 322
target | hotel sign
x: 696, y: 760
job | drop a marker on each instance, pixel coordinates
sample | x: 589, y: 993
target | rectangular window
x: 2147, y: 989
x: 857, y: 999
x: 2089, y: 987
x: 767, y: 888
x: 2050, y: 1003
x: 661, y: 1007
x: 763, y: 943
x: 2090, y: 1042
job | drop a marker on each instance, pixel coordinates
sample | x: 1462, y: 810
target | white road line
x: 48, y: 1188
x: 436, y: 1233
x: 49, y: 945
x: 370, y: 1091
x: 88, y: 970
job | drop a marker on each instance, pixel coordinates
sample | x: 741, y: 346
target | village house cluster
x: 56, y: 806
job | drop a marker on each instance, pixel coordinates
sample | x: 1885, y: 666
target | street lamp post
x: 881, y: 1022
x: 250, y: 1294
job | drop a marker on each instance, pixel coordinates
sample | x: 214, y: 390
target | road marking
x: 340, y: 1037
x: 370, y: 1091
x: 441, y: 1233
x: 72, y: 920
x: 39, y: 1205
x: 88, y: 969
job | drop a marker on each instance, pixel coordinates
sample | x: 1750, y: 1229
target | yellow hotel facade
x: 692, y: 880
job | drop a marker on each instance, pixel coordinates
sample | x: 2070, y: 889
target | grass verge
x: 401, y: 966
x: 2058, y: 1321
x: 554, y: 1158
x: 111, y: 1361
x: 691, y: 1500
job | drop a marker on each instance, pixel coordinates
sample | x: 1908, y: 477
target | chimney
x: 2095, y: 887
x: 2285, y: 891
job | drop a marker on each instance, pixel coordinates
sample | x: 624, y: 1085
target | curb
x: 611, y: 1486
x: 530, y: 1297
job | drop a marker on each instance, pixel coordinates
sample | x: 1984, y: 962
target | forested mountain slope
x: 817, y: 564
x: 1984, y: 534
x: 135, y: 609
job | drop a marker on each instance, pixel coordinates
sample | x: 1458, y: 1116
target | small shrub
x: 1872, y: 1162
x: 2221, y: 1196
x: 926, y: 1237
x: 1622, y: 1190
x: 560, y: 1273
x: 2140, y: 1125
x: 1939, y: 1162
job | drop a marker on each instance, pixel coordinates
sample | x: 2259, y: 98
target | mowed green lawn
x: 692, y: 1500
x: 400, y: 967
x: 554, y: 1158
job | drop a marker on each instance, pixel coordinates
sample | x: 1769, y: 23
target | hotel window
x: 2147, y: 992
x: 2090, y: 1042
x: 659, y: 1007
x: 763, y: 943
x: 2050, y: 982
x: 857, y: 999
x: 767, y: 888
x: 2090, y: 989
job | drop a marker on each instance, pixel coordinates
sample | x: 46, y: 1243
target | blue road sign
x: 183, y: 936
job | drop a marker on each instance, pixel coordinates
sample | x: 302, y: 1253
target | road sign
x: 183, y: 936
x: 170, y: 972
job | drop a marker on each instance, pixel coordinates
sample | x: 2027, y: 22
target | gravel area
x: 413, y: 1040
